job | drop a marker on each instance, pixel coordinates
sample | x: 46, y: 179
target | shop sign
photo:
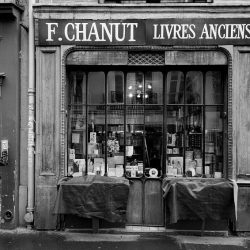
x: 184, y: 31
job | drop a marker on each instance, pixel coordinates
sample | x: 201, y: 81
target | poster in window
x: 92, y: 137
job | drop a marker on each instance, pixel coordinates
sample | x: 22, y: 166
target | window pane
x: 96, y: 139
x: 96, y: 88
x: 134, y: 141
x: 115, y: 87
x: 214, y: 88
x: 153, y: 88
x: 77, y: 88
x: 175, y: 87
x: 153, y: 142
x: 194, y: 89
x: 193, y: 142
x: 76, y: 140
x: 135, y: 88
x: 115, y: 142
x: 175, y: 141
x: 214, y: 141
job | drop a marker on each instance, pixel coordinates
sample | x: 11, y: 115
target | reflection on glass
x: 153, y: 140
x: 115, y: 141
x: 134, y: 141
x: 194, y: 83
x: 175, y: 141
x: 175, y: 87
x: 214, y: 88
x: 135, y: 88
x: 153, y: 87
x: 193, y: 142
x: 115, y: 84
x: 96, y: 140
x: 214, y: 141
x: 77, y: 88
x: 96, y: 88
x: 76, y: 140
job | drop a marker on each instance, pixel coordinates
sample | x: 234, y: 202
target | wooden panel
x: 134, y: 208
x: 48, y: 123
x: 44, y: 217
x: 242, y: 112
x: 153, y: 203
x: 48, y: 111
x: 98, y: 58
x: 195, y: 58
x: 243, y: 213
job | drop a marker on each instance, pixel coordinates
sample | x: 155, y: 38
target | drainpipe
x: 29, y: 216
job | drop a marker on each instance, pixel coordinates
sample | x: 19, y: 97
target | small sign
x: 4, y: 151
x: 75, y: 138
x: 4, y: 145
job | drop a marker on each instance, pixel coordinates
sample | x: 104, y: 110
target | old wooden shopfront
x: 137, y: 98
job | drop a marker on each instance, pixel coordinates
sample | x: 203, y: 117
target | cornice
x: 142, y: 8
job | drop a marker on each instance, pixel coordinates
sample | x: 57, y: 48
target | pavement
x: 25, y: 239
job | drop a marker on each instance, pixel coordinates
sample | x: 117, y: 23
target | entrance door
x: 144, y: 146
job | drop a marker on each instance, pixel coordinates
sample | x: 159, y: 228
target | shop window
x: 96, y: 88
x: 135, y: 88
x: 175, y: 87
x: 115, y: 87
x: 194, y: 85
x: 194, y: 128
x: 153, y: 88
x: 214, y: 88
x: 142, y: 124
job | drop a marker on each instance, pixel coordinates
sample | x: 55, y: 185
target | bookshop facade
x: 138, y: 99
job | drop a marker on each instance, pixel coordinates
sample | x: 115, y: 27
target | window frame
x: 164, y: 69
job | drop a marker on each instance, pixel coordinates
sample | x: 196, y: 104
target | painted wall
x: 10, y: 115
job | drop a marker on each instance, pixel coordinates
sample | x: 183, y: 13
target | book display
x: 186, y: 156
x: 134, y: 143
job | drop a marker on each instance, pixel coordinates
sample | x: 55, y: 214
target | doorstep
x: 152, y: 231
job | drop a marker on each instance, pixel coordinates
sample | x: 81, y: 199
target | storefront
x: 142, y: 99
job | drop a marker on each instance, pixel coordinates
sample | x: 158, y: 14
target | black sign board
x: 186, y: 31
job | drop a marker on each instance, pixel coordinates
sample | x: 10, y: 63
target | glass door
x: 144, y: 146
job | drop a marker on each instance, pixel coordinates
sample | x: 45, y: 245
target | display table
x: 97, y: 197
x: 199, y: 198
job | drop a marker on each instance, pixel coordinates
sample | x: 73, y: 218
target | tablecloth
x: 93, y: 196
x: 199, y: 198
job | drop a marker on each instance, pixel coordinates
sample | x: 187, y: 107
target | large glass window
x: 146, y: 123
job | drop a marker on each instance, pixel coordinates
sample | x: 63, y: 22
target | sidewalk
x: 24, y: 239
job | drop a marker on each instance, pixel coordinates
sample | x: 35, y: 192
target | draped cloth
x: 93, y: 196
x: 199, y: 198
